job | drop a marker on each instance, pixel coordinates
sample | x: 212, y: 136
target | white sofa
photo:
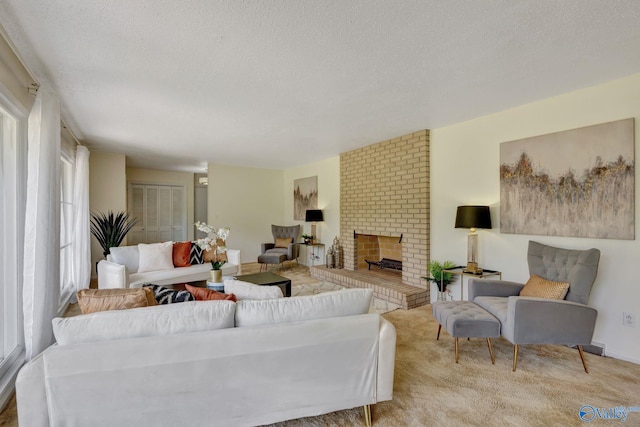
x: 120, y: 270
x: 211, y: 363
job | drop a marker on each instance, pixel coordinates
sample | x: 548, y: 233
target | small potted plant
x: 211, y: 243
x: 110, y: 228
x: 307, y: 238
x: 440, y: 277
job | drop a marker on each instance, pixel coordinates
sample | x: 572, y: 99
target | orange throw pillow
x: 181, y: 252
x: 94, y: 300
x: 203, y: 294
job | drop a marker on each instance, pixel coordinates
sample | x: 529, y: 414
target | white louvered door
x: 161, y: 211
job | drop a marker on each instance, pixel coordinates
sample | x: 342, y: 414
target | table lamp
x: 473, y: 217
x: 313, y: 216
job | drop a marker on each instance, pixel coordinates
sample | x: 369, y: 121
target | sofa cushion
x: 542, y: 288
x: 347, y: 302
x: 94, y: 300
x: 245, y: 290
x: 203, y: 294
x: 155, y: 256
x: 169, y: 296
x: 127, y: 256
x: 494, y: 305
x: 144, y: 322
x: 181, y: 254
x: 195, y: 256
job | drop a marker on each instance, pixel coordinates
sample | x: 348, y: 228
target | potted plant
x: 212, y: 243
x: 110, y: 229
x: 308, y: 239
x: 440, y: 277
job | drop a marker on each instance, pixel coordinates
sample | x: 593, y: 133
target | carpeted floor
x: 548, y: 389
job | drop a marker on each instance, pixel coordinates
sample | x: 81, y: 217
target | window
x: 12, y: 208
x: 66, y: 224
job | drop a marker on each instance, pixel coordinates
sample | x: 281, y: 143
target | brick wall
x: 384, y: 191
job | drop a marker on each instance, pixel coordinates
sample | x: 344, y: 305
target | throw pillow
x: 94, y: 300
x: 127, y: 256
x: 196, y: 254
x: 203, y: 294
x: 543, y: 288
x: 169, y: 296
x: 181, y: 252
x: 283, y: 243
x: 155, y: 256
x: 246, y: 290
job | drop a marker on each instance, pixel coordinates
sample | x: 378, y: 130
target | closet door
x: 178, y: 214
x: 137, y: 203
x: 161, y: 211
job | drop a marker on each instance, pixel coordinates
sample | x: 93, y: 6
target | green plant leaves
x: 110, y: 229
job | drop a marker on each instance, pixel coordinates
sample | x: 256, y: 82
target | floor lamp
x: 473, y: 217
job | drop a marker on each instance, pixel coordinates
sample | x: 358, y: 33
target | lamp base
x: 472, y: 267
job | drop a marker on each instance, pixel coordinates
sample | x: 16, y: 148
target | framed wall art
x: 576, y: 183
x: 305, y: 196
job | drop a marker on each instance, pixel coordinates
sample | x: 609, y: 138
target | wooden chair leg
x: 456, y: 349
x: 367, y: 415
x: 584, y: 362
x: 439, y: 329
x: 515, y: 357
x: 493, y: 359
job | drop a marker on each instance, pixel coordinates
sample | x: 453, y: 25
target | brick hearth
x: 387, y: 285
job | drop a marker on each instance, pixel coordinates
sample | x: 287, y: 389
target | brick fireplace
x: 384, y: 194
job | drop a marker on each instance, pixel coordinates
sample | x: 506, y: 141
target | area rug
x: 377, y: 305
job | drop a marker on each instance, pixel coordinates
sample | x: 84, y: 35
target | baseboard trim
x: 621, y: 357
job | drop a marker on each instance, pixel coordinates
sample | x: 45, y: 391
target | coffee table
x: 268, y: 279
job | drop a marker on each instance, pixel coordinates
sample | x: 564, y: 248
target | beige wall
x: 107, y: 190
x: 464, y: 171
x: 152, y: 176
x: 248, y: 200
x: 328, y: 173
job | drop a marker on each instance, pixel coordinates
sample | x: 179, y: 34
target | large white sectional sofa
x: 212, y: 363
x: 120, y: 270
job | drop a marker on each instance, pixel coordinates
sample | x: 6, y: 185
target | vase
x: 216, y: 276
x: 442, y: 296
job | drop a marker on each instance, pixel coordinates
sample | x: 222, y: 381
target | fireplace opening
x: 384, y: 252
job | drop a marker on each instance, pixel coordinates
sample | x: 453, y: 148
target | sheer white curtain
x: 41, y: 289
x: 81, y: 246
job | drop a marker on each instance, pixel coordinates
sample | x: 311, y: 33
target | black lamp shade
x: 473, y: 217
x: 314, y: 215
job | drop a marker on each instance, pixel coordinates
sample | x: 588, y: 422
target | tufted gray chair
x: 292, y: 251
x: 529, y: 320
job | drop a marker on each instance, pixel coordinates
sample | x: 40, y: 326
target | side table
x: 459, y: 270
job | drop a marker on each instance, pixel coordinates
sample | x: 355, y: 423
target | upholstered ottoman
x: 271, y: 259
x: 466, y: 319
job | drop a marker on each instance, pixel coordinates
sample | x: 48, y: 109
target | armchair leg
x: 493, y: 359
x: 439, y: 329
x: 584, y: 362
x: 367, y: 415
x: 515, y: 357
x: 456, y: 349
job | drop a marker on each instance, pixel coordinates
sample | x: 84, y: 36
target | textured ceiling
x: 281, y: 83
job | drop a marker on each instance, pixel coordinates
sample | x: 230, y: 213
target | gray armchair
x: 269, y: 251
x: 529, y: 320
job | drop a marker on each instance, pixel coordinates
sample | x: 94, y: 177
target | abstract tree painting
x: 305, y: 196
x: 576, y: 183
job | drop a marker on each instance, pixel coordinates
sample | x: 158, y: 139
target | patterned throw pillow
x: 195, y: 256
x: 543, y: 288
x: 169, y: 296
